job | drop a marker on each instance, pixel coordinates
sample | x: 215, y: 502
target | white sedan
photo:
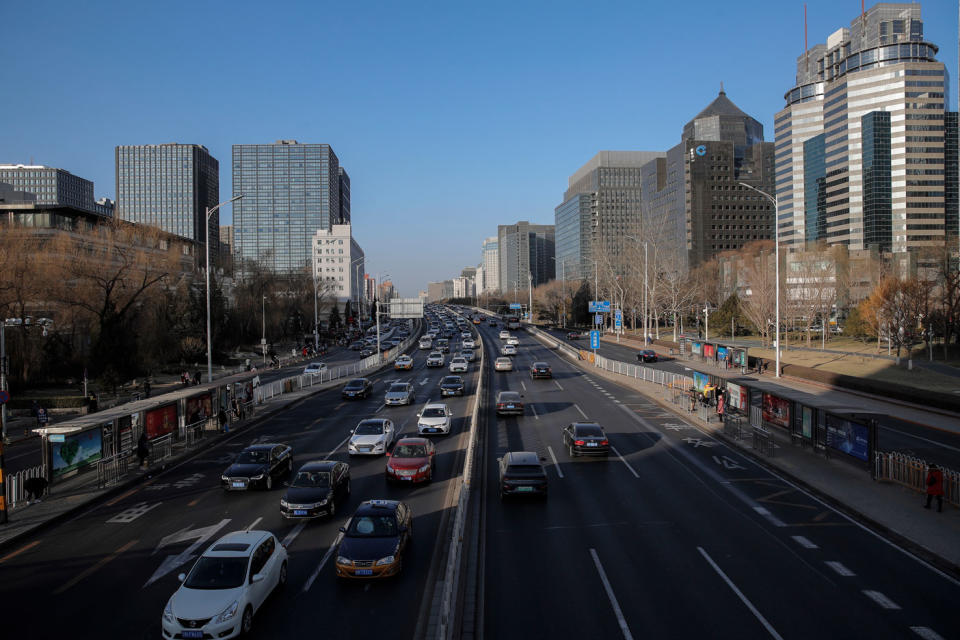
x: 314, y: 369
x: 226, y: 586
x: 459, y: 365
x: 469, y: 344
x: 434, y: 418
x: 509, y: 350
x: 371, y: 437
x: 503, y: 364
x: 504, y: 334
x: 514, y: 340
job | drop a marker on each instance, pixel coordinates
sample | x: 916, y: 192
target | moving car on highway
x: 458, y: 365
x: 374, y: 540
x: 317, y: 489
x: 403, y: 363
x: 226, y: 587
x: 540, y: 369
x: 435, y: 359
x: 259, y: 465
x: 451, y: 386
x: 434, y: 418
x: 503, y: 364
x: 504, y: 334
x: 585, y: 438
x: 508, y: 350
x: 357, y: 388
x: 412, y: 460
x: 521, y: 473
x: 509, y: 403
x: 399, y: 393
x: 372, y: 436
x: 426, y: 342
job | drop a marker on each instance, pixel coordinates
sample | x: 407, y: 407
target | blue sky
x: 450, y: 117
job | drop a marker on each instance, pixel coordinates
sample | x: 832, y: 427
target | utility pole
x: 530, y: 297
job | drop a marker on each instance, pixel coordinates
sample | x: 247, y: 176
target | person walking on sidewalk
x: 143, y: 449
x: 934, y: 487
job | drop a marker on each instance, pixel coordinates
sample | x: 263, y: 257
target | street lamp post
x: 380, y: 278
x: 355, y: 265
x: 209, y: 340
x: 563, y: 298
x: 776, y: 247
x: 263, y: 327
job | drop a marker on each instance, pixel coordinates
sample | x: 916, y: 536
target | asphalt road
x: 676, y: 535
x: 893, y: 434
x: 109, y: 572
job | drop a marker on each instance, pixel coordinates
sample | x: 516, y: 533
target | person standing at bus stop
x: 934, y: 487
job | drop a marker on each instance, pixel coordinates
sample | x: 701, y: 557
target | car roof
x: 236, y: 543
x: 412, y: 441
x: 452, y: 379
x: 508, y: 394
x: 522, y: 457
x: 435, y: 405
x: 503, y: 359
x: 540, y: 363
x: 358, y: 380
x: 586, y: 424
x: 374, y: 421
x: 263, y: 446
x: 374, y: 506
x: 318, y: 465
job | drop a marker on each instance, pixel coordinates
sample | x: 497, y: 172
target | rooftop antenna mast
x: 806, y: 53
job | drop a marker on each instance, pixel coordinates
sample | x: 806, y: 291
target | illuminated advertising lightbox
x: 77, y: 450
x: 776, y: 410
x: 851, y: 438
x: 161, y: 421
x: 700, y: 380
x: 709, y: 350
x: 738, y: 396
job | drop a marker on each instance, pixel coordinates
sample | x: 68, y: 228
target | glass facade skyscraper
x: 815, y: 188
x: 169, y: 186
x: 52, y: 186
x: 877, y: 211
x: 526, y: 255
x: 290, y: 190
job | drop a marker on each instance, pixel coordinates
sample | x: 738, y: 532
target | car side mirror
x: 257, y: 577
x: 352, y: 430
x: 342, y: 529
x: 388, y: 454
x: 182, y: 577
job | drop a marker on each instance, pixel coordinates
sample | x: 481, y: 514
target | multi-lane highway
x: 675, y: 534
x: 109, y: 572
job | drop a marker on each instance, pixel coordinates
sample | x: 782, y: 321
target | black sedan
x: 451, y: 386
x: 574, y: 335
x: 317, y: 489
x: 585, y: 438
x: 647, y: 355
x: 357, y: 388
x: 259, y: 465
x: 540, y: 370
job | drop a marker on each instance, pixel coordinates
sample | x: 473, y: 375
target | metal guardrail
x: 160, y: 449
x: 16, y: 492
x: 733, y: 427
x: 763, y: 441
x: 113, y: 469
x: 911, y: 472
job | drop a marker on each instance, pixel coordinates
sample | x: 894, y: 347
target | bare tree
x: 759, y: 300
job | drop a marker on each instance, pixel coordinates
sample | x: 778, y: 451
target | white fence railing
x: 912, y: 472
x: 16, y: 485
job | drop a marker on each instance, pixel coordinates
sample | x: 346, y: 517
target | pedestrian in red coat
x: 934, y: 487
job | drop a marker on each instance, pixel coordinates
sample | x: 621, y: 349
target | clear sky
x: 450, y: 117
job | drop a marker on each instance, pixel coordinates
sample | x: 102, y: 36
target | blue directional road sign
x: 598, y: 319
x: 599, y: 306
x: 618, y: 318
x: 594, y: 339
x: 516, y: 305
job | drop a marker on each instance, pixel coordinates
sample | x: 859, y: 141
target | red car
x: 412, y: 460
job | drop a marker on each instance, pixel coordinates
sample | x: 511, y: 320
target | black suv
x: 357, y: 388
x: 521, y: 473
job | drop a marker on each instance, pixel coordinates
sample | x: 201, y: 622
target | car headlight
x: 225, y: 478
x: 387, y: 560
x: 228, y: 613
x: 284, y: 503
x: 423, y: 469
x: 168, y: 611
x: 259, y: 477
x: 342, y: 560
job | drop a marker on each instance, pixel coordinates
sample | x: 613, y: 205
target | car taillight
x: 604, y: 442
x: 579, y: 443
x: 500, y: 405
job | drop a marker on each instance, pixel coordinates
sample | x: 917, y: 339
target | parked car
x: 259, y: 465
x: 317, y: 489
x: 226, y: 587
x: 522, y: 473
x: 357, y: 388
x: 585, y: 438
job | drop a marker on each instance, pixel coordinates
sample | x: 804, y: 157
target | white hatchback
x: 226, y: 586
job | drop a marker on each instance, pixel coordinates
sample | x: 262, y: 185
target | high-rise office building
x: 877, y: 95
x: 694, y: 205
x: 491, y: 265
x: 344, y: 180
x: 290, y: 191
x: 601, y: 212
x: 52, y: 186
x: 338, y: 261
x: 169, y: 186
x: 526, y: 255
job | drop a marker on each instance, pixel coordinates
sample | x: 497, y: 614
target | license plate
x: 364, y: 572
x: 510, y: 406
x: 434, y: 430
x: 406, y: 477
x: 299, y: 512
x: 237, y: 485
x: 591, y: 444
x: 524, y: 489
x: 192, y: 633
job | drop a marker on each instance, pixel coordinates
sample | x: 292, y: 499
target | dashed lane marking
x: 839, y: 568
x: 23, y: 549
x: 534, y: 409
x: 610, y: 595
x: 254, y: 523
x: 926, y: 633
x: 881, y: 599
x: 623, y: 460
x: 323, y: 561
x: 290, y: 537
x: 556, y: 466
x: 90, y: 570
x: 558, y: 385
x: 577, y: 407
x: 804, y: 542
x: 774, y: 520
x: 769, y: 627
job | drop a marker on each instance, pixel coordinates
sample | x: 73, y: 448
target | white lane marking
x: 342, y: 442
x: 577, y: 407
x: 635, y: 474
x: 743, y: 598
x: 839, y: 568
x: 613, y: 599
x: 534, y: 409
x: 254, y: 523
x: 290, y: 537
x: 881, y: 599
x: 927, y: 633
x: 804, y: 542
x: 523, y: 385
x: 556, y: 466
x: 200, y: 536
x: 326, y: 556
x: 380, y: 408
x: 774, y: 520
x: 131, y: 514
x: 558, y: 385
x: 423, y: 382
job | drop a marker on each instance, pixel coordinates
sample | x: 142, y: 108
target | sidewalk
x: 894, y: 511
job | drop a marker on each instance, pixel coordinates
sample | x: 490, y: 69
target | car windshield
x: 409, y: 451
x: 355, y: 384
x: 433, y: 412
x: 314, y: 479
x: 369, y: 429
x: 540, y: 365
x: 217, y: 573
x: 451, y: 380
x: 525, y: 470
x: 509, y: 397
x: 372, y: 526
x: 398, y: 388
x: 589, y: 431
x: 252, y: 457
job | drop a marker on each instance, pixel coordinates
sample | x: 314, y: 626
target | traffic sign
x: 594, y: 339
x: 618, y: 318
x: 516, y: 305
x: 57, y: 437
x: 599, y: 306
x: 598, y: 319
x: 4, y: 397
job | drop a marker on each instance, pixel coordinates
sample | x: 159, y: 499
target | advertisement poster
x: 776, y: 410
x: 198, y: 408
x: 852, y: 438
x: 696, y: 348
x: 709, y: 350
x: 161, y: 421
x: 738, y: 396
x: 700, y: 380
x: 721, y: 353
x: 807, y: 422
x: 76, y: 451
